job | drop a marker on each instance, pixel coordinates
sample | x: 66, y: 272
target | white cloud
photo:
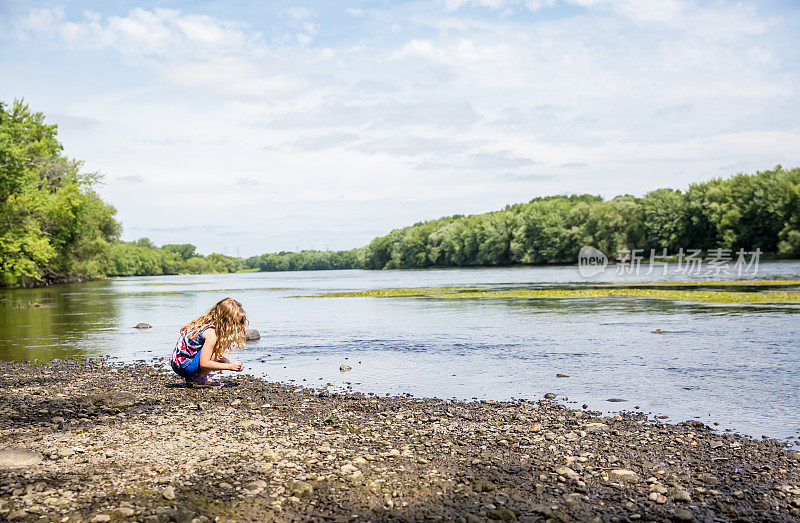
x: 458, y: 106
x: 298, y: 13
x: 160, y: 32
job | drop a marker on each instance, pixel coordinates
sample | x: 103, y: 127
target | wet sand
x: 98, y: 441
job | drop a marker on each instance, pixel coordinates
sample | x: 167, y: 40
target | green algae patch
x: 390, y: 293
x: 713, y: 283
x: 696, y: 296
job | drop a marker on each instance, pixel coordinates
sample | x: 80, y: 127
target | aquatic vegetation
x: 712, y: 283
x: 697, y: 296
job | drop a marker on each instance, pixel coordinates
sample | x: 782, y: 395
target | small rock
x: 300, y: 488
x: 562, y: 376
x: 124, y: 512
x: 348, y: 469
x: 344, y: 367
x: 683, y: 515
x: 17, y: 514
x: 658, y: 331
x: 143, y: 326
x: 536, y: 427
x: 794, y: 456
x: 623, y: 476
x: 225, y: 485
x: 682, y: 496
x: 550, y: 395
x: 258, y: 484
x: 252, y: 335
x: 359, y: 461
x: 595, y: 427
x: 168, y: 493
x: 65, y: 452
x: 565, y: 471
x: 17, y: 457
x: 616, y: 400
x: 101, y: 518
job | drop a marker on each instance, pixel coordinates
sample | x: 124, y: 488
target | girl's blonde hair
x: 228, y: 319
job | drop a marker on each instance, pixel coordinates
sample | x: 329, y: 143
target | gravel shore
x: 97, y: 441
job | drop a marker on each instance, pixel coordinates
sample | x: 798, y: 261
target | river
x: 733, y: 365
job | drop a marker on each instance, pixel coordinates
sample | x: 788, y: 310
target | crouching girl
x: 204, y: 341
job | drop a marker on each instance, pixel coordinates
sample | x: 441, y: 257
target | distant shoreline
x: 84, y: 279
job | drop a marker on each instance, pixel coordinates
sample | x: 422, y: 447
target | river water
x: 728, y: 364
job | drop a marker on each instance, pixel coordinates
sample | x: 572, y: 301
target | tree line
x: 54, y: 226
x: 745, y: 211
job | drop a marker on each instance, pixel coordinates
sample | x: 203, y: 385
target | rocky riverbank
x: 94, y: 441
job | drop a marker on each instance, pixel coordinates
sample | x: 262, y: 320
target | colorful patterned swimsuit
x: 185, y: 358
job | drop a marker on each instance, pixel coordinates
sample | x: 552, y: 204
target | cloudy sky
x: 287, y: 125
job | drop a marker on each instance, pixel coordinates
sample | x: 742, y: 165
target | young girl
x: 203, y: 342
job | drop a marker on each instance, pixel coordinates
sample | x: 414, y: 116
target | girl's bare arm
x: 206, y: 355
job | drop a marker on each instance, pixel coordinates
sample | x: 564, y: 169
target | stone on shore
x: 18, y: 457
x: 168, y: 493
x: 682, y: 496
x: 566, y: 472
x: 300, y: 489
x: 623, y: 476
x: 344, y: 367
x: 252, y: 335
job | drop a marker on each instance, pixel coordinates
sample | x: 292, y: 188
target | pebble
x: 348, y: 469
x: 344, y: 367
x: 124, y: 512
x: 595, y: 427
x: 566, y: 472
x: 258, y: 484
x: 623, y: 476
x: 143, y: 326
x: 65, y: 452
x: 683, y: 496
x: 168, y: 492
x: 301, y: 489
x: 683, y: 515
x: 101, y: 518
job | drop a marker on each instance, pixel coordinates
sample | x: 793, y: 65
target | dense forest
x: 745, y: 211
x: 54, y: 226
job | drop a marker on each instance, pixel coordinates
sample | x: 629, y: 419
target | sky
x: 252, y: 127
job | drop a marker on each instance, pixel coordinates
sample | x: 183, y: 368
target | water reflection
x: 54, y: 322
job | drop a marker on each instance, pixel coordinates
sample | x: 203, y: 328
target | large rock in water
x: 143, y: 326
x: 17, y: 458
x: 252, y: 335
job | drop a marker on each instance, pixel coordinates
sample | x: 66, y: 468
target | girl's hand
x: 236, y: 366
